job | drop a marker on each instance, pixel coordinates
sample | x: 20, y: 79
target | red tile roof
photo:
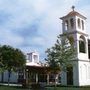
x: 73, y: 13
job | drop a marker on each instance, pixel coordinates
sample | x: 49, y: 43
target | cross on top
x: 73, y: 7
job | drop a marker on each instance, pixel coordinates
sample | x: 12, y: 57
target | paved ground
x: 6, y: 84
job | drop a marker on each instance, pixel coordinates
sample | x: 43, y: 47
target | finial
x: 73, y: 7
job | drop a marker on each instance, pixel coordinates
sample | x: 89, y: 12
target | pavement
x: 6, y: 84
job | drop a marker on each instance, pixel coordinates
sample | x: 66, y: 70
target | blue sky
x: 34, y: 24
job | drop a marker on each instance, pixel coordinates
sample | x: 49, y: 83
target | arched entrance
x: 70, y: 75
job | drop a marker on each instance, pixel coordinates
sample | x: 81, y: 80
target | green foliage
x: 61, y: 53
x: 11, y: 58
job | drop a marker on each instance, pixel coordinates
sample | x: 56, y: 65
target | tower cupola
x: 73, y: 21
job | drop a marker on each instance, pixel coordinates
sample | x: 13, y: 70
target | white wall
x: 13, y: 77
x: 84, y: 73
x: 63, y: 78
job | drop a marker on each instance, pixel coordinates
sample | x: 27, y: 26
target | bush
x: 37, y: 86
x: 24, y: 83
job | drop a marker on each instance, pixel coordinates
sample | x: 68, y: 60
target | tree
x: 12, y: 59
x: 60, y: 55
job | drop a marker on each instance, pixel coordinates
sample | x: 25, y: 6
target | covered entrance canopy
x: 37, y: 74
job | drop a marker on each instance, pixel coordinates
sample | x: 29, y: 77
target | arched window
x: 82, y: 25
x: 72, y: 23
x: 82, y: 46
x: 66, y: 25
x: 78, y: 21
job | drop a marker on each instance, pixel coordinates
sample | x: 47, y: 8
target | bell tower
x: 73, y: 21
x: 74, y: 24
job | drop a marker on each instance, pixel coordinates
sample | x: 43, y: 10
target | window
x: 82, y: 46
x: 66, y: 25
x: 35, y: 58
x: 29, y: 57
x: 72, y: 23
x: 79, y: 25
x: 82, y: 25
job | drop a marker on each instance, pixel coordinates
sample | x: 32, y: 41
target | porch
x: 41, y: 74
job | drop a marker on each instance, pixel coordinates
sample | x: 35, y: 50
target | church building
x: 74, y: 24
x: 78, y: 74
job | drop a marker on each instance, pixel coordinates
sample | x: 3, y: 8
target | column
x: 36, y: 78
x: 56, y: 78
x: 27, y: 76
x: 48, y: 79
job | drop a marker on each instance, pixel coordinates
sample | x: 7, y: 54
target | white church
x: 74, y: 24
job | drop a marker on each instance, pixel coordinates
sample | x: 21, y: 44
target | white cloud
x: 7, y: 37
x: 44, y: 13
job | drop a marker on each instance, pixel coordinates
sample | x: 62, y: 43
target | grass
x: 68, y: 88
x: 48, y: 88
x: 12, y: 88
